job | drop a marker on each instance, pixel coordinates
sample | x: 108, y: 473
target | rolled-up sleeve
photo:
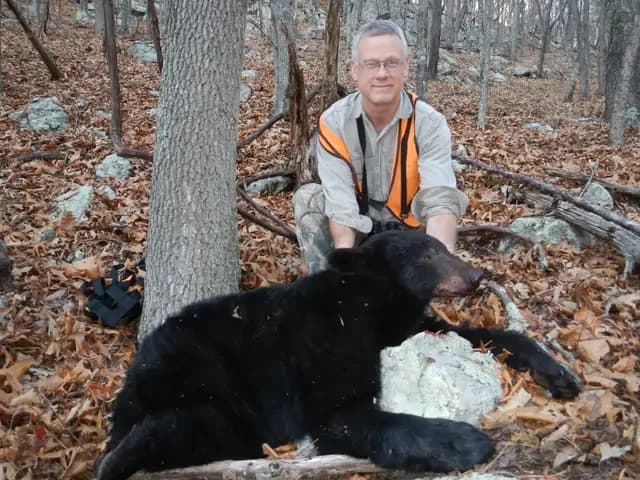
x: 438, y: 193
x: 341, y: 205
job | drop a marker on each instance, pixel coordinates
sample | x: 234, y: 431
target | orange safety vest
x: 405, y: 179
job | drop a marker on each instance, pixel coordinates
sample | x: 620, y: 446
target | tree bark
x: 422, y: 48
x: 193, y: 246
x: 332, y: 45
x: 603, y: 44
x: 434, y: 42
x: 624, y: 91
x: 515, y: 29
x: 110, y: 50
x: 84, y: 5
x: 584, y: 49
x: 124, y: 13
x: 352, y: 10
x: 487, y: 27
x: 99, y: 20
x: 450, y: 22
x: 281, y: 17
x: 154, y: 29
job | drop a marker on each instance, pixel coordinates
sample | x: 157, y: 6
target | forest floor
x: 60, y: 370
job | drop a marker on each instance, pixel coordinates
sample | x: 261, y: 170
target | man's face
x: 380, y: 69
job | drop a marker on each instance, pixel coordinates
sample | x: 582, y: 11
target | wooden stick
x: 515, y: 319
x: 44, y: 55
x: 321, y: 468
x: 283, y: 228
x: 42, y: 154
x: 581, y: 177
x: 543, y: 260
x: 556, y: 192
x: 279, y: 172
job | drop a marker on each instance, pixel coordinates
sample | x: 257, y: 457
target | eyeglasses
x: 372, y: 66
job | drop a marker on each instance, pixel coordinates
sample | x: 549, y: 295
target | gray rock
x: 107, y: 192
x: 82, y: 104
x: 458, y: 167
x: 155, y: 93
x: 249, y: 74
x: 439, y: 376
x: 47, y: 234
x: 245, y: 92
x: 253, y: 55
x: 598, y: 196
x: 42, y: 115
x: 143, y: 51
x: 82, y: 17
x: 75, y: 202
x: 496, y: 77
x: 521, y: 71
x: 104, y: 114
x: 498, y: 62
x: 551, y: 72
x: 444, y: 56
x: 98, y: 133
x: 114, y: 166
x: 270, y: 185
x: 547, y: 230
x: 541, y: 127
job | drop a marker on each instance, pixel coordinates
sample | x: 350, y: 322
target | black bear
x: 270, y: 365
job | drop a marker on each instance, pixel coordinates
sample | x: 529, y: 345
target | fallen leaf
x: 593, y: 350
x: 607, y: 451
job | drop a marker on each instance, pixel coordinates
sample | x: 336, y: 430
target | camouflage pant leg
x: 312, y: 226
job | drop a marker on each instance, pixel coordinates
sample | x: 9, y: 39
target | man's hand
x: 342, y: 236
x: 444, y: 228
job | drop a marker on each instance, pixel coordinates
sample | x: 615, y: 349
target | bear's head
x: 419, y: 263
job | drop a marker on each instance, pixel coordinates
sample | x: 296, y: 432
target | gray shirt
x: 438, y: 193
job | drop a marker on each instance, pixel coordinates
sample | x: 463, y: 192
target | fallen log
x: 611, y: 217
x: 628, y: 242
x: 322, y: 468
x: 581, y: 177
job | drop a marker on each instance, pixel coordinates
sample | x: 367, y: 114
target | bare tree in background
x: 422, y: 48
x: 193, y: 249
x: 487, y: 26
x: 99, y: 21
x: 352, y: 14
x: 434, y: 41
x: 584, y: 48
x: 281, y: 17
x: 124, y: 14
x: 329, y: 92
x: 626, y: 90
x: 603, y: 43
x: 547, y: 19
x: 516, y: 13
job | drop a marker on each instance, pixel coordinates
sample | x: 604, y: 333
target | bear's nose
x: 475, y: 275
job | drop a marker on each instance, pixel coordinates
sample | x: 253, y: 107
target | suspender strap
x: 404, y: 205
x: 363, y: 200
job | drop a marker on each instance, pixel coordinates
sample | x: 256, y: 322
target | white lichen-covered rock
x: 114, y: 166
x: 42, y: 115
x: 270, y: 185
x: 547, y: 230
x: 541, y: 127
x: 439, y: 376
x: 143, y: 51
x: 598, y: 196
x: 245, y: 92
x: 74, y: 202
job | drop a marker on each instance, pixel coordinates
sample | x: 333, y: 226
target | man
x: 384, y: 159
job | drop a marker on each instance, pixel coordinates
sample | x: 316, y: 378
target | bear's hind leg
x: 406, y: 442
x: 191, y: 435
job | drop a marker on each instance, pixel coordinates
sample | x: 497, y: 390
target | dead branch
x: 320, y: 468
x: 331, y: 48
x: 556, y: 192
x: 132, y: 153
x: 272, y: 121
x: 543, y: 260
x: 279, y: 172
x: 259, y: 221
x: 515, y: 319
x: 44, y: 55
x: 42, y: 154
x: 625, y: 240
x: 581, y: 177
x: 283, y: 228
x: 155, y: 31
x: 298, y: 116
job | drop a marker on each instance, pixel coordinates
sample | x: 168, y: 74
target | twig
x: 290, y: 235
x: 556, y: 192
x: 594, y: 169
x: 42, y: 154
x: 279, y: 224
x: 581, y: 177
x: 543, y: 260
x: 272, y: 121
x: 515, y: 319
x: 280, y: 172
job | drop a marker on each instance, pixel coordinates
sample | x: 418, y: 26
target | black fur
x: 272, y: 364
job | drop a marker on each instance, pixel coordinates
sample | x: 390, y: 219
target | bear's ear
x: 351, y: 260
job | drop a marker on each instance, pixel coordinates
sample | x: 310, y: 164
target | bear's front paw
x: 558, y: 379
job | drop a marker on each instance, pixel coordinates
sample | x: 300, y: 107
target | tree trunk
x: 154, y: 29
x: 572, y: 25
x: 515, y: 29
x: 584, y: 49
x: 487, y: 26
x: 329, y: 92
x: 99, y: 22
x: 450, y: 22
x: 110, y: 49
x: 624, y: 90
x: 193, y: 250
x: 603, y: 44
x: 84, y: 5
x: 352, y: 18
x: 124, y: 13
x: 462, y: 12
x: 434, y: 42
x: 44, y: 55
x: 422, y: 48
x: 281, y: 17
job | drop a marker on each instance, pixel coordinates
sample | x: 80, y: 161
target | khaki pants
x: 312, y: 226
